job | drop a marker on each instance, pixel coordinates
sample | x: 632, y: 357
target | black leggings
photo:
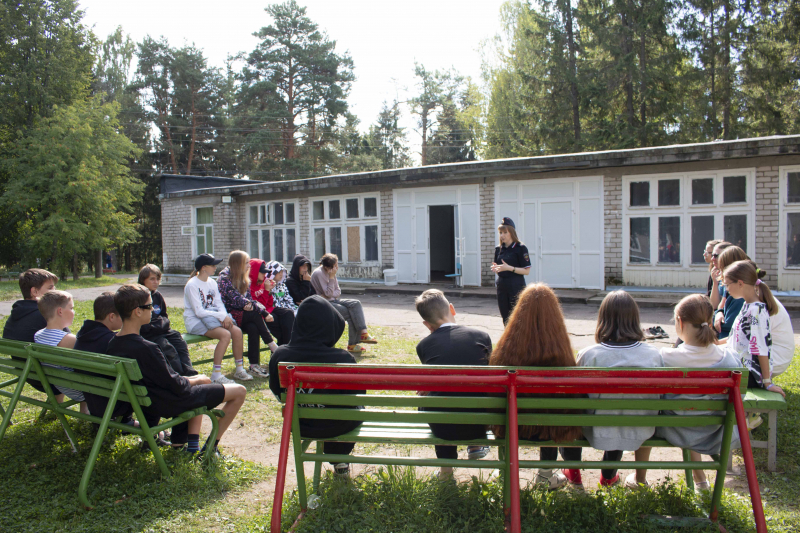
x: 455, y: 432
x: 574, y: 454
x: 507, y: 294
x: 255, y: 328
x: 281, y: 326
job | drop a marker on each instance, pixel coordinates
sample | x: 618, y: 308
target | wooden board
x: 353, y: 244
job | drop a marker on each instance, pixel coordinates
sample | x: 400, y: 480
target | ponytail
x: 696, y: 310
x: 193, y: 274
x: 765, y: 295
x: 747, y: 272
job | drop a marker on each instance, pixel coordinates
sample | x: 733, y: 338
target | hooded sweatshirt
x: 93, y: 337
x: 280, y: 294
x: 316, y: 330
x: 259, y: 292
x: 25, y: 320
x: 299, y: 289
x: 159, y: 320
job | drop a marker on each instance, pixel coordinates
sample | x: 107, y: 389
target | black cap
x: 263, y: 268
x: 205, y: 259
x: 508, y: 222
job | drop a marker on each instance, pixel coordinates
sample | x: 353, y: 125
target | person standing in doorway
x: 511, y: 264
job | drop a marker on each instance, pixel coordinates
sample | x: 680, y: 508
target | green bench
x: 394, y: 418
x: 111, y: 377
x: 194, y: 339
x: 764, y: 401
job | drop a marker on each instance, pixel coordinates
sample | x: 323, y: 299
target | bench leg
x: 283, y: 456
x: 10, y: 409
x: 51, y: 399
x: 212, y: 438
x: 689, y: 477
x: 318, y: 467
x: 772, y: 442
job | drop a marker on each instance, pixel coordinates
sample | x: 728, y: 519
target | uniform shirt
x: 515, y: 255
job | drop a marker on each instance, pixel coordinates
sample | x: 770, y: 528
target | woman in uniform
x: 511, y: 264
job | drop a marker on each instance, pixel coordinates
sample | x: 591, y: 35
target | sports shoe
x: 632, y: 484
x: 259, y: 371
x: 555, y: 481
x: 609, y: 482
x: 477, y: 452
x: 161, y: 443
x: 341, y: 471
x: 241, y: 374
x: 366, y: 338
x: 355, y: 349
x: 222, y: 380
x: 703, y: 486
x: 753, y: 421
x: 573, y: 478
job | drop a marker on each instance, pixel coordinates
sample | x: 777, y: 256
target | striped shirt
x: 51, y: 337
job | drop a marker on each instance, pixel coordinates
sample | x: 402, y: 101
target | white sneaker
x: 555, y: 481
x: 241, y: 374
x: 753, y: 421
x: 703, y: 486
x: 259, y: 371
x: 632, y: 484
x: 222, y: 380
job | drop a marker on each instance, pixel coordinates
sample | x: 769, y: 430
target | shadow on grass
x: 41, y: 475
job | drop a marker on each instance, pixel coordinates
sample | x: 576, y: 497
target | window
x: 640, y: 240
x: 669, y: 239
x: 735, y: 228
x: 370, y: 207
x: 734, y: 189
x: 640, y: 193
x: 346, y: 226
x: 271, y: 232
x: 352, y: 208
x: 669, y: 192
x: 204, y: 233
x: 793, y: 188
x: 793, y: 239
x: 702, y: 232
x: 702, y: 192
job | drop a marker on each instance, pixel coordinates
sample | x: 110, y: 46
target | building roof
x: 172, y: 183
x: 681, y: 153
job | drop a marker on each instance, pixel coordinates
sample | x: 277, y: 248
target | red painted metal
x: 283, y: 455
x: 747, y: 454
x: 513, y: 452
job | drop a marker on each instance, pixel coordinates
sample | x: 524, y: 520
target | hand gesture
x: 718, y: 318
x: 775, y: 388
x: 269, y: 318
x: 248, y: 307
x: 716, y: 275
x: 227, y: 323
x: 269, y: 284
x: 306, y: 276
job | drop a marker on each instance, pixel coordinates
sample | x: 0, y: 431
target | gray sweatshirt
x: 325, y: 286
x: 636, y: 355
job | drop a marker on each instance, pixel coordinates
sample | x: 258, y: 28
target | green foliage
x: 70, y: 186
x: 9, y: 290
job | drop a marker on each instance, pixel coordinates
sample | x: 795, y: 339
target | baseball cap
x: 508, y: 222
x: 205, y: 259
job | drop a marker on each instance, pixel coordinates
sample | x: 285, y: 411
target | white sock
x: 238, y: 363
x: 215, y: 375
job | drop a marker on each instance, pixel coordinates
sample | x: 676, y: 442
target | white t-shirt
x: 780, y: 325
x: 202, y: 299
x: 685, y: 356
x: 750, y: 337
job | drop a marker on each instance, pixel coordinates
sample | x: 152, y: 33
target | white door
x: 556, y: 243
x: 459, y: 246
x: 421, y: 244
x: 530, y: 236
x: 404, y: 239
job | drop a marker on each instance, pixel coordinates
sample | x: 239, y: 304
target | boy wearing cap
x: 205, y: 314
x: 511, y: 264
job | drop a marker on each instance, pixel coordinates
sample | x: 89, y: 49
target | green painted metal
x: 763, y: 399
x: 687, y: 458
x: 719, y: 482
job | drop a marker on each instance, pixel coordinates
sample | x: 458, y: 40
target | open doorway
x: 442, y: 241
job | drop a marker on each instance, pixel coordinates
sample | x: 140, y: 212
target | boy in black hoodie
x: 299, y: 280
x: 158, y: 330
x: 317, y: 328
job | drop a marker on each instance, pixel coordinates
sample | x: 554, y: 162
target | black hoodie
x: 317, y: 328
x: 159, y: 320
x: 24, y: 321
x: 299, y: 289
x: 93, y: 337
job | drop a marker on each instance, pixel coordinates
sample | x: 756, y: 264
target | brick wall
x: 488, y: 236
x: 612, y: 211
x: 303, y: 246
x: 766, y: 245
x: 387, y: 229
x: 177, y: 248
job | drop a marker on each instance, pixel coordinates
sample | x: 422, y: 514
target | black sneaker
x: 161, y: 443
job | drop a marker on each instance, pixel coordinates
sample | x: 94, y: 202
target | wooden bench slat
x: 75, y: 380
x: 763, y: 399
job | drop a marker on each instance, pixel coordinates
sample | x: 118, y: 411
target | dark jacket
x: 299, y: 289
x: 24, y: 321
x: 159, y: 320
x: 93, y: 337
x: 317, y: 328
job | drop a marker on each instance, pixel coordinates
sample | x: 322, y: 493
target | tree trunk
x: 98, y: 271
x: 76, y: 267
x: 128, y: 261
x: 573, y: 72
x: 714, y: 129
x: 424, y: 148
x: 626, y: 53
x: 643, y: 89
x: 727, y: 82
x: 194, y: 134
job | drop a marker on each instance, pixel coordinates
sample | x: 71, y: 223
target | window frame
x: 270, y: 227
x: 195, y: 250
x: 785, y: 209
x: 685, y: 210
x: 343, y: 222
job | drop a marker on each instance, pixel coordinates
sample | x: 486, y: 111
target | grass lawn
x: 9, y: 290
x: 132, y: 496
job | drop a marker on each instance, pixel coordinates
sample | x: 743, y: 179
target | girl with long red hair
x: 536, y: 335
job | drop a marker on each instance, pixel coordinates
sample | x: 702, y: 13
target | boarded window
x: 702, y: 192
x: 333, y: 210
x: 291, y: 245
x: 336, y: 242
x: 669, y: 192
x: 370, y: 207
x: 318, y: 210
x: 640, y: 193
x: 702, y: 232
x: 352, y: 207
x: 669, y: 239
x: 290, y: 213
x: 353, y: 244
x: 793, y: 239
x: 734, y: 189
x: 793, y: 187
x: 319, y: 243
x: 735, y: 228
x: 640, y: 240
x: 371, y: 243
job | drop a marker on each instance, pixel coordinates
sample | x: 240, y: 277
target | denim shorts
x: 208, y: 323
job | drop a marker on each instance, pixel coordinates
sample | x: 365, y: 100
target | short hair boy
x: 95, y: 335
x: 451, y: 344
x: 25, y: 319
x: 58, y: 310
x: 170, y: 393
x: 159, y: 331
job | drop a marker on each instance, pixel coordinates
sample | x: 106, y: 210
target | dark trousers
x: 331, y: 429
x: 507, y: 294
x: 455, y: 432
x: 574, y: 454
x: 176, y: 352
x: 281, y: 326
x: 255, y: 328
